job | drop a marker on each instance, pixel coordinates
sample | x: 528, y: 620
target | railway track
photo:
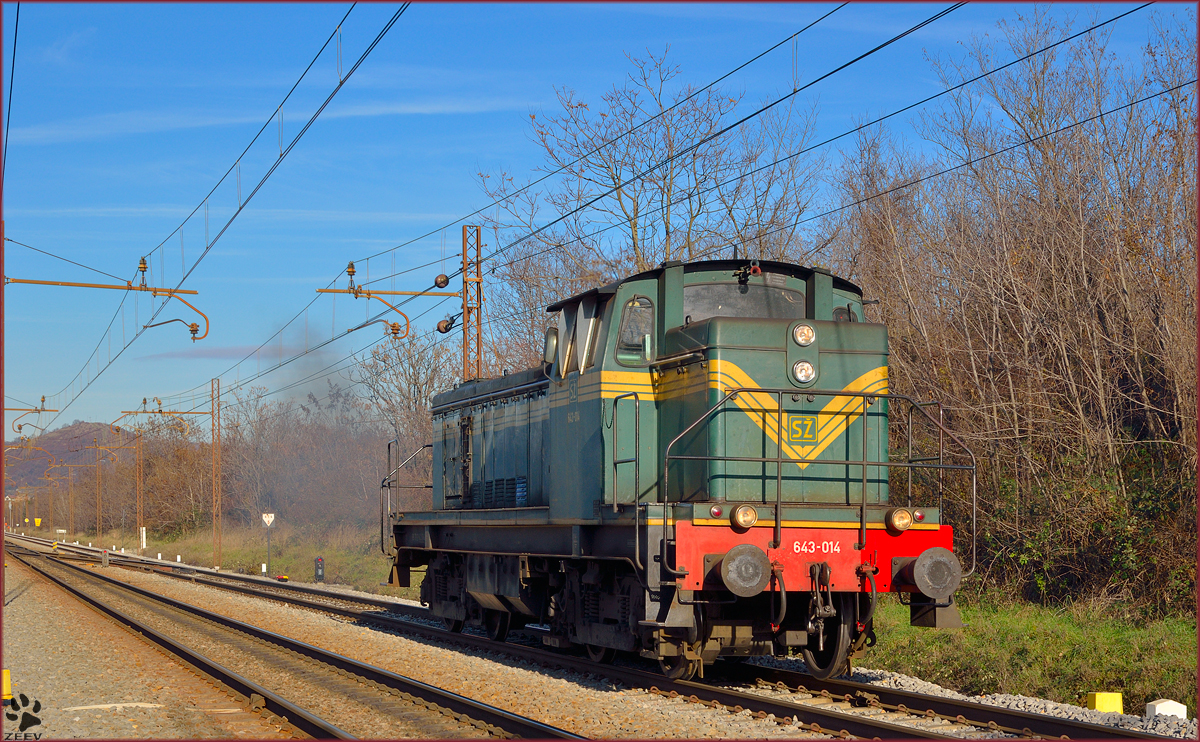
x: 835, y: 707
x: 280, y: 676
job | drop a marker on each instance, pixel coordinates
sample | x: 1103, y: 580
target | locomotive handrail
x: 385, y: 512
x: 779, y: 459
x: 637, y: 471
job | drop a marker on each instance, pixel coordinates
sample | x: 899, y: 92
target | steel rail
x: 498, y: 718
x: 985, y: 716
x: 1015, y: 721
x: 814, y: 718
x: 310, y: 724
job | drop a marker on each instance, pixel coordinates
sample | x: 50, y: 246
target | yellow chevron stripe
x: 832, y: 420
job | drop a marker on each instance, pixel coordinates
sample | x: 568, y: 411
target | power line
x: 325, y: 372
x: 970, y: 162
x: 283, y: 154
x: 12, y: 73
x: 293, y: 319
x: 692, y: 147
x: 121, y: 305
x: 730, y: 127
x: 530, y: 185
x: 319, y: 373
x: 263, y: 128
x: 610, y: 142
x: 832, y: 139
x: 981, y: 158
x: 67, y: 260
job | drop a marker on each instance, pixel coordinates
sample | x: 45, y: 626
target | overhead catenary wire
x: 285, y: 326
x: 12, y: 74
x: 329, y: 370
x: 919, y: 103
x: 721, y: 132
x: 610, y: 142
x: 607, y: 143
x: 95, y: 354
x: 837, y: 137
x: 320, y: 373
x: 981, y: 158
x: 67, y: 260
x: 692, y: 147
x: 200, y: 205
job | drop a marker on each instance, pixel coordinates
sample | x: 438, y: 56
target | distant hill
x: 25, y: 468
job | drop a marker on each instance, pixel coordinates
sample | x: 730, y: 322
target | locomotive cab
x: 701, y: 468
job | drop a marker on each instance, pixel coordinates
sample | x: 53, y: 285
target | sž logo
x: 22, y: 708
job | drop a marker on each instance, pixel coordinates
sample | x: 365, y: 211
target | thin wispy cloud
x: 428, y: 108
x: 62, y: 50
x: 125, y: 123
x: 227, y: 353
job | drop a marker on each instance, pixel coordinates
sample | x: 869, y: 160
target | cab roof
x: 767, y: 266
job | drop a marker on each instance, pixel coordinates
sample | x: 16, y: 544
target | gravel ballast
x: 585, y: 704
x: 93, y: 679
x: 1164, y: 726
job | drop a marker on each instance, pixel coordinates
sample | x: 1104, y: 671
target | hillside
x: 25, y: 466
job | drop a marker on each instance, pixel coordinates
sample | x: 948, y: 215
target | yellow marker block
x: 1106, y: 702
x: 37, y: 522
x: 7, y: 688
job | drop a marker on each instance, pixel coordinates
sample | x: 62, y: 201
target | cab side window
x: 635, y: 343
x: 844, y: 314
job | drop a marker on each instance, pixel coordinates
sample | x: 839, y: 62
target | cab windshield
x: 704, y: 300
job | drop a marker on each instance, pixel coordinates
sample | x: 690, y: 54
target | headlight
x: 804, y: 372
x: 898, y: 520
x: 745, y: 516
x: 804, y: 334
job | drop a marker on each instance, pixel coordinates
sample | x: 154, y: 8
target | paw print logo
x: 19, y: 709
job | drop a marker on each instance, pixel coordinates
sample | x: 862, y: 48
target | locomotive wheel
x: 601, y: 655
x: 832, y: 660
x: 678, y: 667
x: 496, y: 623
x: 454, y: 625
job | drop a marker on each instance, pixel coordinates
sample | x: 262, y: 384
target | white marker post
x: 268, y: 519
x: 143, y: 541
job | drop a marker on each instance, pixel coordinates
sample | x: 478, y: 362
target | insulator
x: 142, y: 265
x: 395, y: 329
x: 442, y: 281
x: 350, y: 269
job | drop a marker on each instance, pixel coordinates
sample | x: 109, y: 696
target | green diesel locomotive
x: 700, y: 468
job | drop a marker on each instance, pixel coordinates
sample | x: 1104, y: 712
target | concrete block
x: 1106, y: 702
x: 1166, y: 707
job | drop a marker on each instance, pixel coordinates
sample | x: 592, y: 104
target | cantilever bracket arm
x: 116, y: 429
x: 192, y: 326
x: 186, y: 425
x: 27, y: 411
x: 358, y: 291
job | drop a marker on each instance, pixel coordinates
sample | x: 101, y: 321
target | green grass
x: 352, y: 556
x: 1031, y: 650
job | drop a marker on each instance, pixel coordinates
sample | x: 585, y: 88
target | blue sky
x: 125, y: 116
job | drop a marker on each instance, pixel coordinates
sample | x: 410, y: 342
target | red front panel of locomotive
x: 799, y: 548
